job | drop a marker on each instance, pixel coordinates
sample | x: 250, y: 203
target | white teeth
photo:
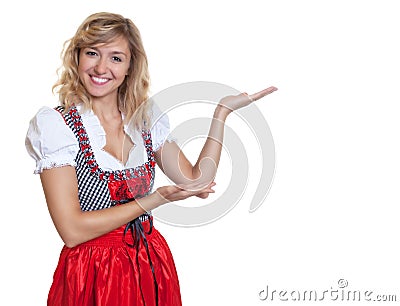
x: 99, y: 80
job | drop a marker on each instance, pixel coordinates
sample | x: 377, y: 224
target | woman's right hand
x: 76, y: 226
x: 174, y: 193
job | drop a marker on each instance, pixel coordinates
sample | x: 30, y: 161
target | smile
x: 99, y: 81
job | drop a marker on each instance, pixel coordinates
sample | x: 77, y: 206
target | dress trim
x: 116, y: 175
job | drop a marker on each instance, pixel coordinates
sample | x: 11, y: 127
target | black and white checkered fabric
x: 93, y: 190
x: 93, y: 193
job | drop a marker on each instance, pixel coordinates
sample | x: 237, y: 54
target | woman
x: 96, y: 153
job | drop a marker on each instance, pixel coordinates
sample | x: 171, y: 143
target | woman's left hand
x: 233, y: 103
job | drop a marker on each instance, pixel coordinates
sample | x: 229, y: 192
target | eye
x: 91, y: 53
x: 116, y: 59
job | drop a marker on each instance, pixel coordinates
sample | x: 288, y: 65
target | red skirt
x: 105, y: 271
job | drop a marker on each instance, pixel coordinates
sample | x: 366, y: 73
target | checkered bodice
x: 99, y: 189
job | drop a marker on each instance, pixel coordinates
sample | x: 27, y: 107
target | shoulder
x: 48, y: 124
x: 155, y: 111
x: 47, y: 116
x: 160, y: 126
x: 49, y: 139
x: 158, y: 118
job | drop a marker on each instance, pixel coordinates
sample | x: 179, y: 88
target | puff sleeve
x: 49, y: 141
x: 160, y: 130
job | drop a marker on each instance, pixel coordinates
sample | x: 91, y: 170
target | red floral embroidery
x: 129, y: 189
x: 123, y: 184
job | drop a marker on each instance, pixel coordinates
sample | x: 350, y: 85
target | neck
x: 106, y: 110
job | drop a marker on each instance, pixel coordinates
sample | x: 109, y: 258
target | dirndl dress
x: 131, y: 265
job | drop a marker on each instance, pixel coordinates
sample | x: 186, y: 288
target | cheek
x: 81, y: 67
x: 80, y: 71
x: 122, y: 72
x: 83, y: 64
x: 125, y: 70
x: 81, y: 74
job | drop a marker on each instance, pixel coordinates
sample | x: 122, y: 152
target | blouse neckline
x: 86, y: 148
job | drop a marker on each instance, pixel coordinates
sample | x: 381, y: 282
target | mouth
x: 98, y: 80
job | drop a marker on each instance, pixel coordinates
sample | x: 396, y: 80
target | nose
x: 101, y: 66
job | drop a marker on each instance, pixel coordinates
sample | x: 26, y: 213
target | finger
x: 262, y: 93
x: 212, y: 184
x: 203, y: 195
x: 199, y: 193
x: 247, y: 96
x: 207, y: 190
x: 195, y: 187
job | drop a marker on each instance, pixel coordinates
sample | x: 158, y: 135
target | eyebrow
x: 113, y: 52
x: 118, y: 52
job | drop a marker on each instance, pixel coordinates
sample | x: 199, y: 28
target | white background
x: 332, y: 211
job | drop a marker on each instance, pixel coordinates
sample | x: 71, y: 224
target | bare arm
x: 76, y: 226
x: 177, y: 167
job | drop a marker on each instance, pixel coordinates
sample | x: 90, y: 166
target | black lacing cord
x: 137, y: 231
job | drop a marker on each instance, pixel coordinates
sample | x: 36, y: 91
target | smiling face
x: 102, y: 68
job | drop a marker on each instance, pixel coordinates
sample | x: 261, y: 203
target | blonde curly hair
x: 97, y: 29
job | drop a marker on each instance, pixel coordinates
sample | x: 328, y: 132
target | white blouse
x: 51, y: 143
